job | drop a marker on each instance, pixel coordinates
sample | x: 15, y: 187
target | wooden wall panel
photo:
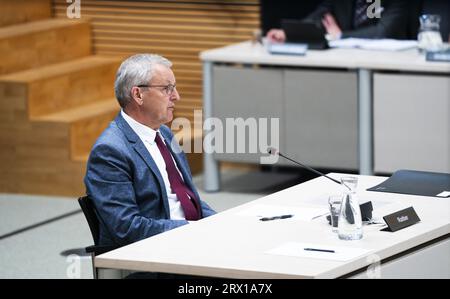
x: 176, y: 29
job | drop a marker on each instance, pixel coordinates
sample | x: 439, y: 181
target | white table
x: 232, y: 245
x: 364, y: 62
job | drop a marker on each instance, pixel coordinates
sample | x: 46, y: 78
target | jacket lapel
x: 140, y: 148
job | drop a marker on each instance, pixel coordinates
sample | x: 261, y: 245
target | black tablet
x: 304, y: 32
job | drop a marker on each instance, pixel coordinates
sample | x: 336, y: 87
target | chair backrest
x: 88, y: 208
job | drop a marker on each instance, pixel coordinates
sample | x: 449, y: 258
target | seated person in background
x: 139, y: 181
x: 356, y: 18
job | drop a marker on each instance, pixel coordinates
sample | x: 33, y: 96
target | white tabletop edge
x: 407, y: 239
x: 248, y: 53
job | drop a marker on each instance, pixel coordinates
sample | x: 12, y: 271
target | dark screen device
x: 366, y: 212
x: 305, y: 33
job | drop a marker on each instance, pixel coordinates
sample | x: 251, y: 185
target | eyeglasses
x: 167, y: 89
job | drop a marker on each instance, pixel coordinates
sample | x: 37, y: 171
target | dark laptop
x: 304, y: 32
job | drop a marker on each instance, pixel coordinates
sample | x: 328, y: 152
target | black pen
x: 276, y: 217
x: 321, y: 250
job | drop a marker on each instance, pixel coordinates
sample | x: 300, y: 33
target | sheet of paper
x: 390, y: 45
x: 300, y: 213
x: 322, y: 200
x: 374, y: 44
x: 317, y: 200
x: 296, y: 249
x: 444, y: 194
x: 347, y: 43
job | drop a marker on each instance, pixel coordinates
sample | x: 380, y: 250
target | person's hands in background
x: 276, y: 36
x: 331, y: 26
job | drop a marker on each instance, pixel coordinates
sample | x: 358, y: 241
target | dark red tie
x: 188, y: 201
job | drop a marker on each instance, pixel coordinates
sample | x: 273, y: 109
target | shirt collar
x: 145, y: 133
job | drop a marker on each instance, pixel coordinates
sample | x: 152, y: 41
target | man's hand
x: 331, y: 26
x: 276, y: 36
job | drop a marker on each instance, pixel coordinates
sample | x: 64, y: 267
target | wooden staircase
x: 43, y: 42
x: 56, y: 97
x: 16, y: 12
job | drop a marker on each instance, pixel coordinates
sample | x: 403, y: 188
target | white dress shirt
x: 147, y: 135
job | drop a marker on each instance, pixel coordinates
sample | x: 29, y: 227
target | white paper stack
x: 374, y: 44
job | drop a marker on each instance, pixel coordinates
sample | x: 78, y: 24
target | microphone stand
x: 271, y: 151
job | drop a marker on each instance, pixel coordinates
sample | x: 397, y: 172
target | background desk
x: 341, y: 108
x: 235, y: 246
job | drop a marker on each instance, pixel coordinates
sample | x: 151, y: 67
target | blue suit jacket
x: 127, y: 188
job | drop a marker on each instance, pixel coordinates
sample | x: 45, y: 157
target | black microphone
x: 274, y: 151
x: 366, y: 208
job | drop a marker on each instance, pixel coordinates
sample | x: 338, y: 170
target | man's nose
x: 175, y: 96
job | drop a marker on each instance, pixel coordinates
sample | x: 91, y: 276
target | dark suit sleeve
x: 392, y: 24
x: 317, y: 15
x: 109, y: 184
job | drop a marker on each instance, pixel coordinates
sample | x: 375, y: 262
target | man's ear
x: 136, y: 95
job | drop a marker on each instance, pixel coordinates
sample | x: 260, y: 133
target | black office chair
x: 88, y: 208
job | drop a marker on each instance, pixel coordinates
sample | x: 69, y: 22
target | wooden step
x: 44, y: 42
x: 35, y: 158
x: 63, y: 86
x: 85, y: 124
x: 16, y: 12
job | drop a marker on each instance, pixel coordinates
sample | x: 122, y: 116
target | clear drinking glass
x: 350, y: 222
x: 430, y: 38
x: 334, y: 202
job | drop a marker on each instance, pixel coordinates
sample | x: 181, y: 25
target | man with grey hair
x: 140, y: 184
